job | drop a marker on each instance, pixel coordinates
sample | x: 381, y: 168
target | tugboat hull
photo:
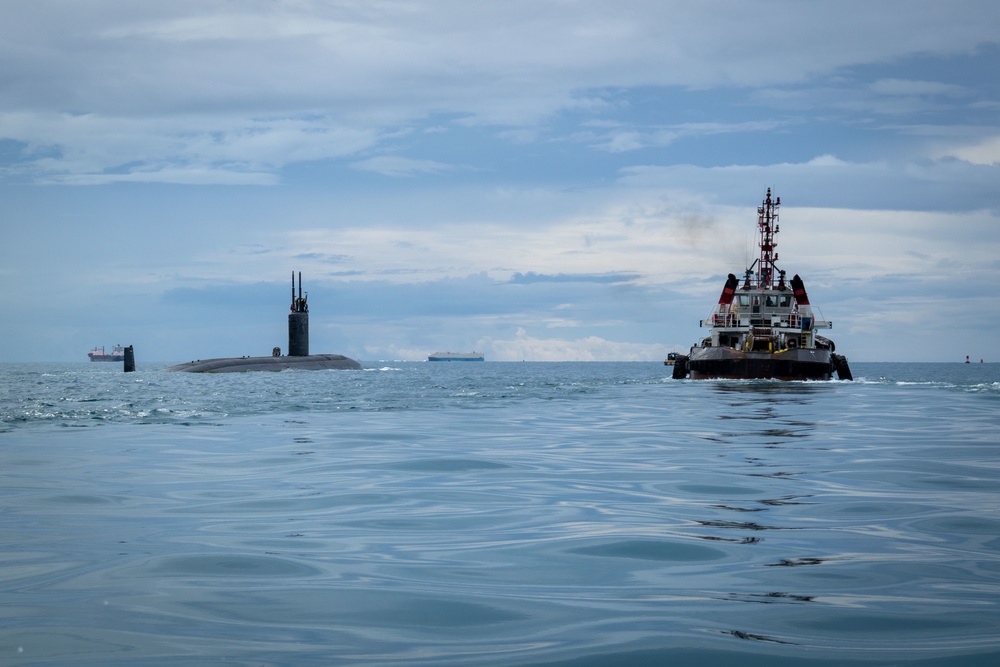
x: 798, y: 364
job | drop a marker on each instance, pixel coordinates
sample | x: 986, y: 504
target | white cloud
x: 985, y: 152
x: 172, y: 175
x: 616, y: 138
x: 90, y: 148
x: 907, y: 87
x: 393, y: 165
x: 525, y: 347
x: 269, y: 84
x: 827, y: 161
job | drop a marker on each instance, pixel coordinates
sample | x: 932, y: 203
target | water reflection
x: 739, y: 634
x: 788, y: 500
x: 742, y: 525
x: 771, y: 598
x: 775, y: 412
x: 773, y: 387
x: 795, y: 562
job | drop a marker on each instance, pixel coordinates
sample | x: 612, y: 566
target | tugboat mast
x: 767, y: 221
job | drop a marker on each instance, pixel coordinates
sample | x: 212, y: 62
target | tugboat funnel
x: 729, y: 290
x: 799, y: 289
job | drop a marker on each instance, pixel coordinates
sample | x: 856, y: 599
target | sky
x: 541, y: 180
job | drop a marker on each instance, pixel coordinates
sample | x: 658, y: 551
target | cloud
x: 524, y: 347
x: 985, y: 152
x: 621, y: 139
x: 908, y: 87
x: 532, y: 277
x: 192, y: 149
x: 172, y: 175
x: 390, y: 165
x: 176, y: 91
x: 827, y: 161
x: 828, y: 180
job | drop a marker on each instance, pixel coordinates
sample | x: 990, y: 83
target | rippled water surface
x: 498, y: 514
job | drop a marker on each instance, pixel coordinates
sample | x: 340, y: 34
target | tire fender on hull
x: 839, y: 362
x: 680, y: 367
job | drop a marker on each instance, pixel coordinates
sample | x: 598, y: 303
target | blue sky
x: 540, y: 180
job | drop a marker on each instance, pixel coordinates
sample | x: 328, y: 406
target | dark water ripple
x: 503, y: 514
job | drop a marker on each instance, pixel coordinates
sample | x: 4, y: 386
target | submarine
x: 298, y: 357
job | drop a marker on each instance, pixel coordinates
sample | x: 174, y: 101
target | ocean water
x: 563, y: 514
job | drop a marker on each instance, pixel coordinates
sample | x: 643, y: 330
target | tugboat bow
x: 765, y: 326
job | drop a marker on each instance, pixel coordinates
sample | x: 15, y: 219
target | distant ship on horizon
x: 456, y: 356
x: 98, y: 354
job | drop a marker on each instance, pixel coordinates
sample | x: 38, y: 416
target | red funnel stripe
x: 799, y: 289
x: 728, y: 291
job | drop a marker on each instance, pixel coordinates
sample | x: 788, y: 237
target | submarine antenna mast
x: 298, y: 323
x: 767, y: 221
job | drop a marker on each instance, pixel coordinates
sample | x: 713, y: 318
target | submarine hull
x: 312, y: 362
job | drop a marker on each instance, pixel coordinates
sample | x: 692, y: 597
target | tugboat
x: 764, y: 328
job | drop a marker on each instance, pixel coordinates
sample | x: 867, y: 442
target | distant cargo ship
x: 98, y: 354
x: 456, y: 356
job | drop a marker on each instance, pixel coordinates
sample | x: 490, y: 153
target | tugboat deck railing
x: 742, y: 320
